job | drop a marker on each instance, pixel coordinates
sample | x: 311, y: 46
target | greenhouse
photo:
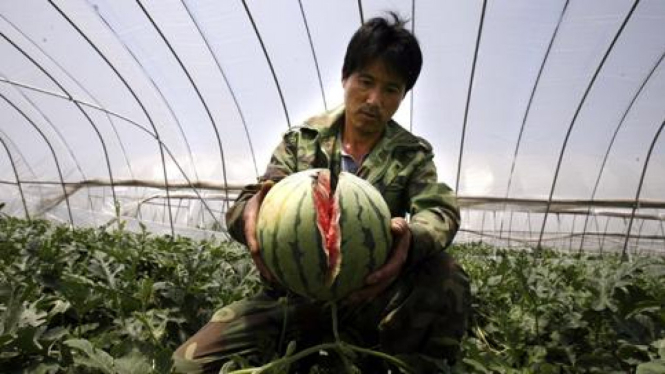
x: 129, y: 128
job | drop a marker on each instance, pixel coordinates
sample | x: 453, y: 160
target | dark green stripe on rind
x: 271, y: 251
x: 298, y: 253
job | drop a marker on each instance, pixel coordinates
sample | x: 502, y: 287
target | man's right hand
x: 250, y: 217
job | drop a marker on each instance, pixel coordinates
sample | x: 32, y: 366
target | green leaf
x: 94, y: 358
x: 476, y: 365
x: 133, y: 363
x: 653, y: 367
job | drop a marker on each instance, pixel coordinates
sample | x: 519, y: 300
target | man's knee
x: 433, y: 318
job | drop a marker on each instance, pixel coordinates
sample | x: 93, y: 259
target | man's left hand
x: 379, y: 280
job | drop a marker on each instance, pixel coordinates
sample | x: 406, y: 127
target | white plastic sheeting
x: 546, y: 116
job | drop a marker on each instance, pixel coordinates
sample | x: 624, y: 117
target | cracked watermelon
x: 322, y: 245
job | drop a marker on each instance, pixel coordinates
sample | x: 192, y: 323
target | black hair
x: 387, y: 40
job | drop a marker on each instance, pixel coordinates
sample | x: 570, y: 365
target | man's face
x: 372, y: 95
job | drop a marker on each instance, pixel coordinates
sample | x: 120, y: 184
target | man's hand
x: 250, y: 216
x: 379, y: 280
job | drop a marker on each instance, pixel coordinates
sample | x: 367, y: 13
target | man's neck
x: 357, y: 144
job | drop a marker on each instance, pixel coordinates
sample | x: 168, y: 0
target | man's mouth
x: 369, y: 114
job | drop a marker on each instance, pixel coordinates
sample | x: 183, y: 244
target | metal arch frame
x: 131, y: 122
x: 468, y: 94
x: 20, y: 154
x: 575, y: 116
x: 11, y: 143
x: 228, y: 85
x: 316, y: 61
x: 639, y: 187
x: 57, y: 132
x: 55, y: 156
x: 69, y: 96
x: 194, y: 86
x: 360, y: 11
x: 413, y: 31
x: 152, y: 82
x: 614, y: 136
x: 269, y: 61
x: 18, y: 180
x: 78, y: 83
x: 536, y: 85
x: 134, y: 95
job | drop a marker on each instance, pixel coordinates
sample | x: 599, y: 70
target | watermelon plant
x: 90, y: 300
x: 321, y: 244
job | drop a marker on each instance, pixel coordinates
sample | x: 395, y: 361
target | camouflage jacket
x: 400, y: 166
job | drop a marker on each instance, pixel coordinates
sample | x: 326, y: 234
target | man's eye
x: 365, y: 82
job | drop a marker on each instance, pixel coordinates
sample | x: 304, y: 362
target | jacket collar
x: 328, y: 125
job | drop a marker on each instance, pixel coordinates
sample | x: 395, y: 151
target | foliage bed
x: 92, y: 300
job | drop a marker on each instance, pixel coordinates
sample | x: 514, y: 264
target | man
x: 414, y: 307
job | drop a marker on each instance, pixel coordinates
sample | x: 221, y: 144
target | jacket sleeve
x: 282, y: 163
x: 435, y: 216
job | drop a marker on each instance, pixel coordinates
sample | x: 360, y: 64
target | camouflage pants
x: 420, y: 319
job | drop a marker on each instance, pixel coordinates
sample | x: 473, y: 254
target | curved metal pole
x: 413, y: 31
x: 79, y: 84
x: 85, y: 114
x: 468, y: 94
x: 58, y: 134
x: 18, y: 180
x: 134, y: 95
x: 360, y: 11
x: 636, y: 205
x: 20, y: 154
x: 155, y: 87
x: 616, y: 132
x: 131, y: 122
x: 316, y: 60
x: 55, y: 157
x: 536, y: 85
x: 272, y: 69
x: 228, y: 85
x: 577, y: 112
x: 194, y: 86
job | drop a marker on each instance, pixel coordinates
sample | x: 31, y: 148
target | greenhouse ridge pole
x: 577, y: 112
x: 639, y: 188
x: 129, y: 88
x: 536, y: 85
x: 18, y: 179
x: 468, y: 95
x: 228, y: 85
x: 614, y: 136
x: 272, y: 68
x: 55, y: 156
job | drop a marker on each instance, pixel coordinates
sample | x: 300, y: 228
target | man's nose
x: 374, y: 96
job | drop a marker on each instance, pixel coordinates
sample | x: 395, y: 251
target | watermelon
x: 322, y: 245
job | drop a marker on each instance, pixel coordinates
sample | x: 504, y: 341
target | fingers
x: 250, y: 217
x: 398, y: 256
x: 398, y: 226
